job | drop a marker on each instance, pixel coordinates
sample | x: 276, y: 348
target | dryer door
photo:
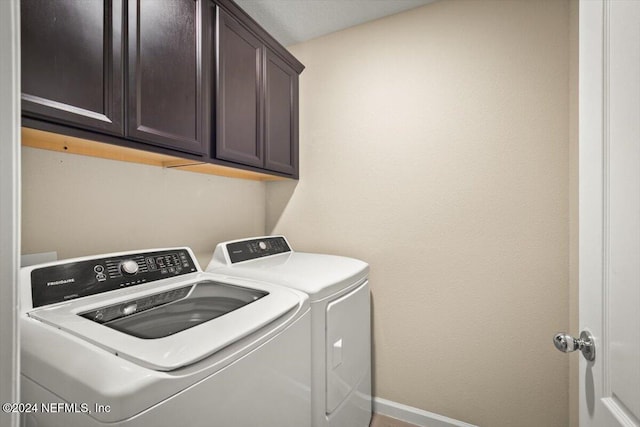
x: 348, y: 346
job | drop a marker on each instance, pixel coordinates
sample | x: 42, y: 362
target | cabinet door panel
x: 72, y: 62
x: 281, y: 115
x: 165, y: 74
x: 239, y: 123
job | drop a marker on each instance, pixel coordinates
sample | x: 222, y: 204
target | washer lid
x: 199, y: 322
x: 317, y: 275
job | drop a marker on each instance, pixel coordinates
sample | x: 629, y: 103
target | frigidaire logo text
x: 61, y: 282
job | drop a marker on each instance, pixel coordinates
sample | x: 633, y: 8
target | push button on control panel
x: 99, y: 270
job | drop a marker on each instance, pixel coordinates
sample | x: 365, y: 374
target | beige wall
x: 435, y: 146
x: 78, y: 206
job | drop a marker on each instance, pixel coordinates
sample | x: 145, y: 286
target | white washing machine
x: 340, y: 319
x: 143, y: 339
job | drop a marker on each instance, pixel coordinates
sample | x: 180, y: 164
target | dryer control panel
x: 256, y: 248
x: 75, y: 279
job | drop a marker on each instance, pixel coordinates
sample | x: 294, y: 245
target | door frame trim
x: 10, y: 206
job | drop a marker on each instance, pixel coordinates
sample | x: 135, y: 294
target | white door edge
x: 609, y: 196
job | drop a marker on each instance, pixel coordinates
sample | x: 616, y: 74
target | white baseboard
x: 414, y: 415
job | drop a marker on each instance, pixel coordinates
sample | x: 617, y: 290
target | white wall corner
x: 413, y: 415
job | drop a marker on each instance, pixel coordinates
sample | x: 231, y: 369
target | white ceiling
x: 295, y: 21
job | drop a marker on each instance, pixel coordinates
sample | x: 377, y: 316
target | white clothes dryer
x: 338, y: 288
x: 141, y: 339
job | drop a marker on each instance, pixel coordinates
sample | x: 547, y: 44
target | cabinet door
x: 166, y: 85
x: 239, y: 117
x: 281, y: 115
x: 72, y: 62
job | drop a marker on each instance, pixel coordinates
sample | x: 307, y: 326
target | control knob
x: 129, y: 267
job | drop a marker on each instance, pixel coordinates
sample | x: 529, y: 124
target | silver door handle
x: 566, y: 344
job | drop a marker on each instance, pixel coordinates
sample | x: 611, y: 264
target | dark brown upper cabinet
x: 167, y: 103
x: 239, y: 93
x: 81, y: 83
x: 256, y: 98
x: 193, y: 79
x: 280, y: 115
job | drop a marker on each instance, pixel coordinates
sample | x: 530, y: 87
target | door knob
x: 566, y: 344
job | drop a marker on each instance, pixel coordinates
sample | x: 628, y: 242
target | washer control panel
x: 256, y: 248
x: 66, y: 281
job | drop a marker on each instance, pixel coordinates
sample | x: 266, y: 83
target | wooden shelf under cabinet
x: 84, y: 147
